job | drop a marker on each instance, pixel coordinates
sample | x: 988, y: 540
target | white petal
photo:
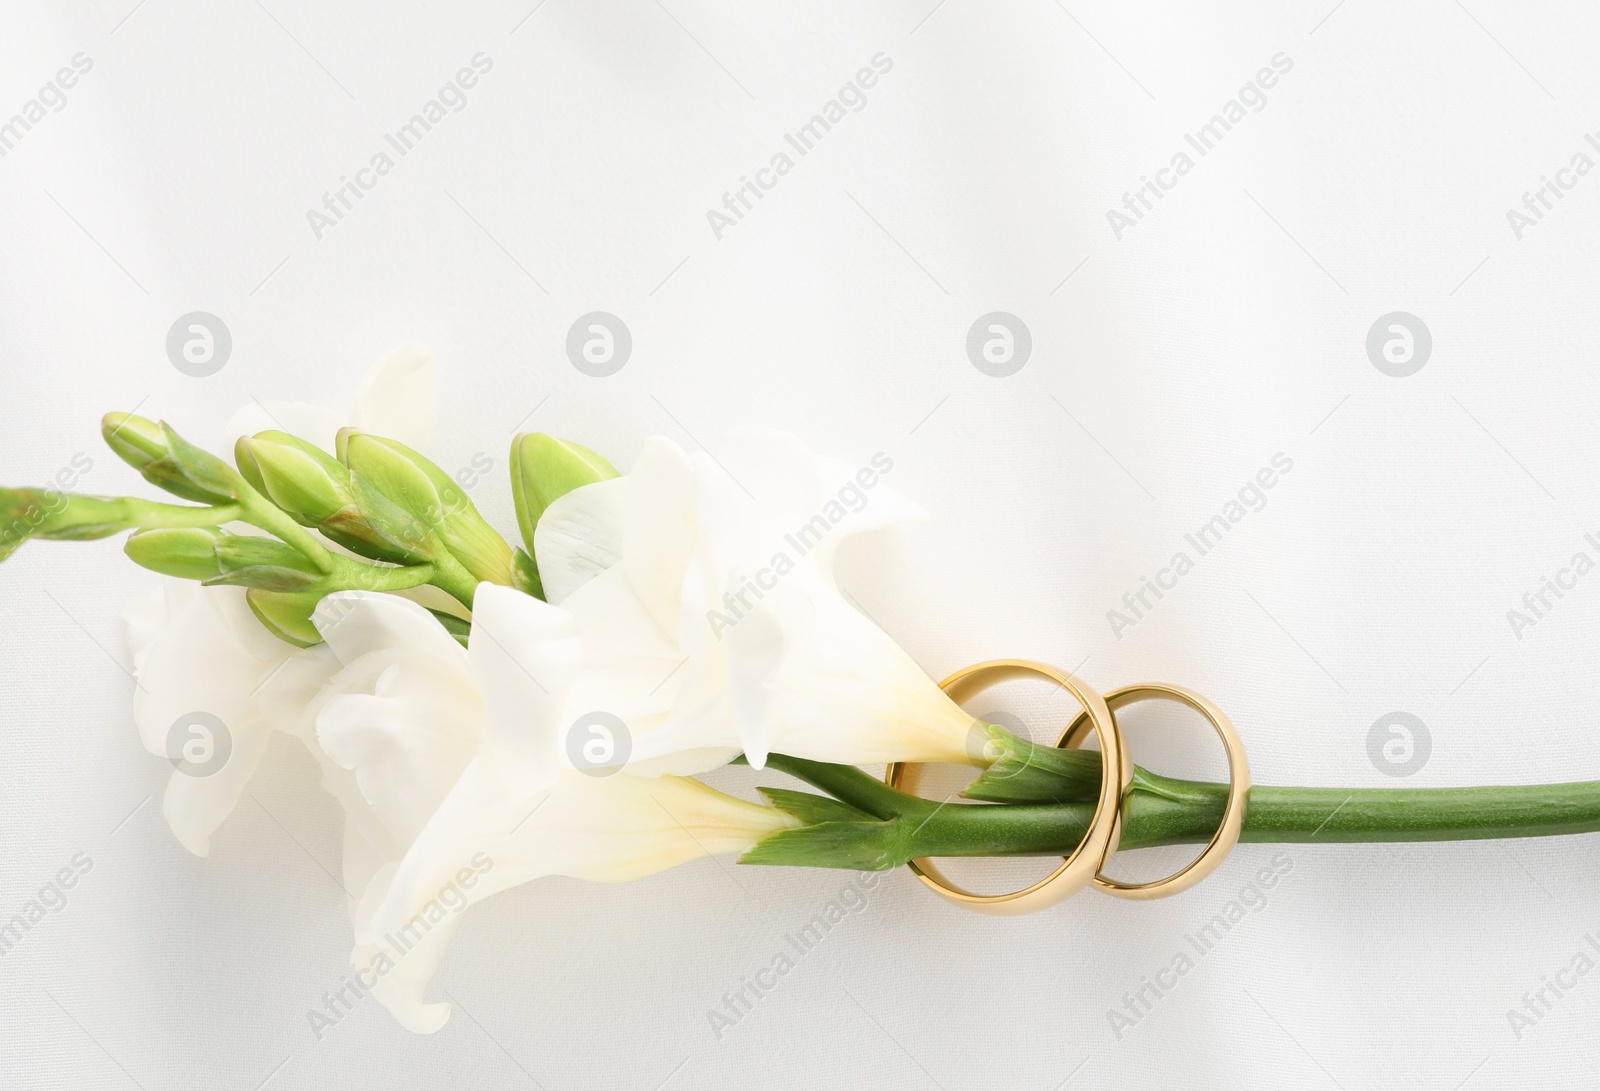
x: 522, y: 653
x: 406, y: 744
x: 646, y: 517
x: 490, y: 836
x: 356, y: 623
x: 145, y: 617
x: 395, y: 398
x: 285, y: 698
x: 795, y: 490
x: 720, y: 629
x: 659, y: 531
x: 402, y: 714
x: 845, y: 692
x: 637, y: 671
x: 403, y: 974
x: 579, y: 536
x: 196, y: 805
x: 198, y: 663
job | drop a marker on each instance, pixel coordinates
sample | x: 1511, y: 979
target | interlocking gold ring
x: 1227, y: 834
x: 1105, y: 827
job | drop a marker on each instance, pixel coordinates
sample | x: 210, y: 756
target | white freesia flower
x: 201, y: 650
x: 456, y: 756
x: 711, y: 620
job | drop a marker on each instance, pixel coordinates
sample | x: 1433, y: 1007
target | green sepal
x: 458, y: 627
x: 378, y: 529
x: 203, y: 470
x: 1027, y: 772
x: 857, y: 846
x: 525, y: 574
x: 263, y: 563
x: 812, y: 809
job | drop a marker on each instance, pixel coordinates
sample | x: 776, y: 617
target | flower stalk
x: 891, y: 828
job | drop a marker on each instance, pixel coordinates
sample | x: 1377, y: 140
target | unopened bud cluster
x: 372, y: 496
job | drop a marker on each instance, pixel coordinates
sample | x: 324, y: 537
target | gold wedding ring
x: 1227, y: 834
x: 1078, y: 869
x: 1085, y: 864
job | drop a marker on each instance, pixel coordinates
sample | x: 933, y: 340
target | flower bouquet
x: 489, y: 713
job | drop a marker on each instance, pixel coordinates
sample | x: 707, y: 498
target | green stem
x: 348, y: 575
x: 1301, y: 815
x: 1164, y: 811
x: 258, y: 511
x: 452, y: 577
x: 152, y: 515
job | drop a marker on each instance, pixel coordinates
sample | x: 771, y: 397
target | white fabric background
x: 1226, y: 327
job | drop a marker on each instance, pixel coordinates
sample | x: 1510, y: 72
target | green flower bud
x: 544, y: 469
x: 304, y: 481
x: 317, y: 490
x: 136, y: 440
x: 189, y: 553
x: 422, y: 489
x: 286, y: 614
x: 213, y: 557
x: 168, y: 461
